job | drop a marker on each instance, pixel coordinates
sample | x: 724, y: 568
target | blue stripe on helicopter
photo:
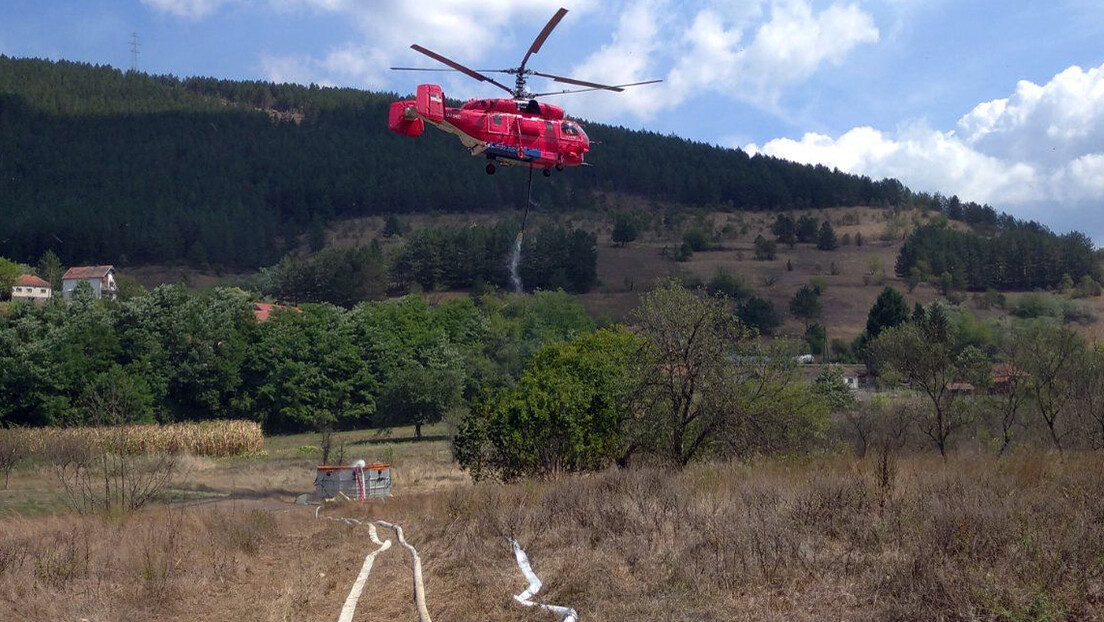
x: 506, y: 151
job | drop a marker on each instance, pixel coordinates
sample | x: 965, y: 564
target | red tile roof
x: 1004, y: 372
x: 30, y: 280
x: 87, y: 272
x: 263, y: 310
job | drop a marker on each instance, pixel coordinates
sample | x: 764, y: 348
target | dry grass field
x: 823, y: 538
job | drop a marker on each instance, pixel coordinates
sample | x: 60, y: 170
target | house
x: 957, y: 389
x: 1006, y: 377
x: 30, y: 287
x: 101, y: 278
x: 857, y: 377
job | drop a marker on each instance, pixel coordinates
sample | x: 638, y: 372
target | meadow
x: 824, y: 537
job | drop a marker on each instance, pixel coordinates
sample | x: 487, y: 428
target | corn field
x: 205, y: 438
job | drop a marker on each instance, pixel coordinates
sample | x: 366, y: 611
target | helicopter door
x: 551, y: 137
x: 498, y: 126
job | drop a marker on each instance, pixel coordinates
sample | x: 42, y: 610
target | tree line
x: 1022, y: 255
x: 119, y: 167
x: 473, y: 258
x: 174, y: 355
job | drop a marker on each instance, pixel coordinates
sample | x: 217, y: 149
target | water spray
x: 515, y: 256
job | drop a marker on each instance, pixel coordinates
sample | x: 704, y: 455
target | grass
x: 820, y: 538
x: 280, y: 472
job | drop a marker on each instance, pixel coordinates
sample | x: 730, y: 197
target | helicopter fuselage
x: 525, y: 132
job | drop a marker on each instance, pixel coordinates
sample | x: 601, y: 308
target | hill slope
x: 107, y: 166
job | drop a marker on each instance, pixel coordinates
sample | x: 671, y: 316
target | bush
x: 765, y: 250
x: 725, y: 284
x: 759, y: 314
x: 990, y: 299
x: 697, y: 240
x: 624, y: 230
x: 684, y: 252
x: 1037, y: 305
x: 565, y: 414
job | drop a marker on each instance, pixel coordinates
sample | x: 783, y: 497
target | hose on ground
x: 567, y: 614
x: 349, y: 608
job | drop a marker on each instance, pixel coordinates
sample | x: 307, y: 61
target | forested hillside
x: 105, y: 166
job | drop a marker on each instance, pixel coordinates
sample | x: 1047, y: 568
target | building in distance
x: 101, y: 278
x: 30, y: 287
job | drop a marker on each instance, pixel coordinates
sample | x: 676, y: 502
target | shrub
x: 624, y: 230
x: 759, y: 314
x: 564, y: 414
x: 765, y: 250
x: 697, y: 240
x: 725, y: 284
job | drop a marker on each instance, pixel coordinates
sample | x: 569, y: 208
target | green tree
x: 815, y: 337
x: 889, y: 310
x: 420, y: 393
x: 306, y: 372
x: 765, y: 250
x: 1050, y: 357
x: 830, y: 384
x: 784, y: 230
x: 914, y: 278
x: 826, y: 237
x: 759, y: 313
x: 806, y: 229
x: 566, y: 413
x: 930, y: 357
x: 805, y: 304
x: 50, y: 269
x: 706, y: 386
x: 9, y: 272
x: 624, y: 230
x: 392, y: 226
x: 727, y: 285
x: 697, y: 240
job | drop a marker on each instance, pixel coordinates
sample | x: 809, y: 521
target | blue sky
x: 998, y: 102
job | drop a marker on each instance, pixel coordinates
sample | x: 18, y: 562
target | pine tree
x: 826, y: 238
x: 889, y: 310
x: 50, y: 269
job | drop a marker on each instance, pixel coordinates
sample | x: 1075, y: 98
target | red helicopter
x: 515, y: 131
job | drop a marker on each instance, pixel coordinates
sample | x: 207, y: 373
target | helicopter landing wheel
x: 559, y: 167
x: 490, y: 168
x: 547, y: 172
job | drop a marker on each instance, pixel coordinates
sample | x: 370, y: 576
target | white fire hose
x: 567, y: 614
x: 419, y: 586
x: 349, y: 608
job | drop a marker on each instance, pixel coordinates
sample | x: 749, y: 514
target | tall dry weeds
x: 895, y: 537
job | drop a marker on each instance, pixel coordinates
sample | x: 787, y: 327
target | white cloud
x: 923, y: 158
x: 1053, y: 122
x: 1039, y: 149
x: 750, y: 51
x: 192, y: 9
x: 459, y: 29
x: 796, y: 42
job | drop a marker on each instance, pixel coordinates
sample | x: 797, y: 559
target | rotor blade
x: 436, y: 69
x: 619, y: 86
x: 458, y: 67
x: 593, y: 85
x: 547, y: 30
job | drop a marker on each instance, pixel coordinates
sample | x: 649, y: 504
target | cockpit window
x: 570, y: 129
